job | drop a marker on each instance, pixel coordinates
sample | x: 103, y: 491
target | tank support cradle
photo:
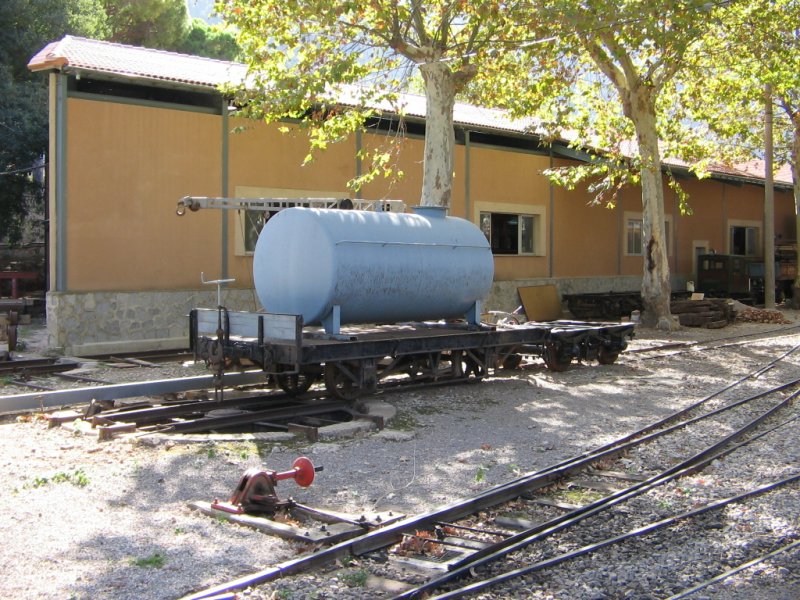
x: 255, y: 492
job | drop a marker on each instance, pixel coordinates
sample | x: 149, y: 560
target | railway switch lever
x: 255, y: 492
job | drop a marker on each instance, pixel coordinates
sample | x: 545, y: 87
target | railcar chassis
x: 354, y: 362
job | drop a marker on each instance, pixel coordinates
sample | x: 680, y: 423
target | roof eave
x: 54, y: 64
x: 80, y: 72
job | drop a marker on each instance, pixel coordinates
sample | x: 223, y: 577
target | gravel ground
x: 84, y: 519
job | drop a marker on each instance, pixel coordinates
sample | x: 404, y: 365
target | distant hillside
x: 203, y: 9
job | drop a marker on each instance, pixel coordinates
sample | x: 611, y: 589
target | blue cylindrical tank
x: 376, y: 267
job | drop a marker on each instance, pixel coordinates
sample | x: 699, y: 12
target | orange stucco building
x: 133, y: 130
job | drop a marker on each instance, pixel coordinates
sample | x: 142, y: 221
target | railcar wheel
x: 418, y: 368
x: 512, y: 362
x: 467, y: 365
x: 295, y: 384
x: 555, y: 358
x: 341, y: 381
x: 606, y: 356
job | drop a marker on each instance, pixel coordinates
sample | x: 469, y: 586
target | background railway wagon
x: 742, y: 277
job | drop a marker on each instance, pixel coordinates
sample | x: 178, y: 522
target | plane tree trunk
x: 656, y: 289
x: 440, y: 94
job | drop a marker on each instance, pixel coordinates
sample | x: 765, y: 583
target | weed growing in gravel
x: 346, y: 561
x: 243, y: 450
x: 579, y: 496
x: 665, y: 504
x: 485, y: 402
x: 480, y: 474
x: 77, y: 477
x: 405, y: 421
x: 179, y: 531
x: 357, y: 578
x: 154, y: 561
x: 431, y: 410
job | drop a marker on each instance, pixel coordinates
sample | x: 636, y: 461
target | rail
x: 382, y: 538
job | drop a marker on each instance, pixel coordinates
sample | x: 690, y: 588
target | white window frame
x: 629, y: 216
x: 755, y: 225
x: 242, y: 191
x: 537, y: 214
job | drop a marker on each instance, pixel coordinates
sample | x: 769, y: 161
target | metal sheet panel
x: 245, y: 324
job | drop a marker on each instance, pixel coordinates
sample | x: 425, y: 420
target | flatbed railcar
x: 355, y: 360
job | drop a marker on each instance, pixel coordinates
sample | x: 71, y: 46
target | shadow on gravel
x: 465, y: 438
x: 155, y: 546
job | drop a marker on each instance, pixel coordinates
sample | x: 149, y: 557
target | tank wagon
x: 359, y: 297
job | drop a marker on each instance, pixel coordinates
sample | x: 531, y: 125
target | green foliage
x: 332, y: 66
x: 354, y: 578
x: 154, y: 561
x: 754, y: 43
x: 159, y: 24
x: 77, y: 478
x: 29, y: 25
x: 578, y: 496
x: 165, y: 24
x: 615, y: 89
x: 211, y: 41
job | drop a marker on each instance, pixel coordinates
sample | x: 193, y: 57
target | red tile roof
x: 78, y: 54
x: 756, y: 168
x: 75, y: 53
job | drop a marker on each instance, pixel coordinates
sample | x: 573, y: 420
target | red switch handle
x: 302, y: 472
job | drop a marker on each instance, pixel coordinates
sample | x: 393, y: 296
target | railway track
x: 162, y: 415
x: 678, y: 348
x: 528, y: 531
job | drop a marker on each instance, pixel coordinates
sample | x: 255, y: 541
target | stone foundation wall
x: 80, y: 324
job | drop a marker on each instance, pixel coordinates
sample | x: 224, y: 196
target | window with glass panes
x: 509, y: 233
x: 634, y: 231
x: 744, y: 240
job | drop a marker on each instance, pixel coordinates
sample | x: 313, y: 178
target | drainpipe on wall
x: 359, y: 143
x: 676, y: 213
x: 467, y: 169
x: 725, y: 233
x: 621, y: 230
x: 60, y: 182
x: 224, y: 178
x: 550, y: 221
